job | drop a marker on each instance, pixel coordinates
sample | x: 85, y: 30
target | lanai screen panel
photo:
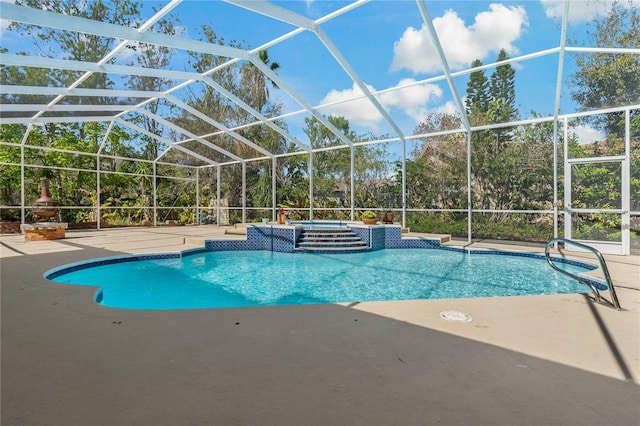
x: 186, y: 83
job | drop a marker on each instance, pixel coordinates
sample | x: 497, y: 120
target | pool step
x: 330, y: 240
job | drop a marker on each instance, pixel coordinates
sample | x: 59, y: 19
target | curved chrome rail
x: 603, y: 266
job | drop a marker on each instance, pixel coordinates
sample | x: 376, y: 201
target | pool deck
x: 532, y: 360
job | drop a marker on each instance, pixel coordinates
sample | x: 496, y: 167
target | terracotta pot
x: 281, y: 219
x: 369, y: 221
x: 387, y: 217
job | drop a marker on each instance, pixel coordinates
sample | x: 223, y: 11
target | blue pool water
x: 260, y: 278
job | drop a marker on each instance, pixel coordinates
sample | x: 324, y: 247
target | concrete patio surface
x: 532, y: 360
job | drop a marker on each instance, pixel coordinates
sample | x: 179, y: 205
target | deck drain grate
x: 455, y: 316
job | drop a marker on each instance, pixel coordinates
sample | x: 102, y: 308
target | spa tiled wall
x: 364, y: 233
x: 283, y: 239
x: 272, y: 238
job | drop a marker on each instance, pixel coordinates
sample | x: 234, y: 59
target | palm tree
x: 254, y: 82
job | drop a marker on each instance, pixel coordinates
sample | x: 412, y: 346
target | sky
x: 388, y: 46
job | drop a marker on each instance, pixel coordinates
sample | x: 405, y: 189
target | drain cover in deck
x: 455, y: 316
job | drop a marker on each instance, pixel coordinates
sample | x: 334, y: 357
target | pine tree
x: 502, y: 89
x: 477, y: 102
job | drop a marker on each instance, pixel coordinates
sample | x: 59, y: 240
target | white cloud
x: 582, y: 10
x: 447, y: 108
x: 359, y: 111
x: 494, y: 29
x: 586, y: 134
x: 412, y: 100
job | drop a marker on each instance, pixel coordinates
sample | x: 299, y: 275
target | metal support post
x: 98, y: 197
x: 311, y: 186
x: 352, y: 184
x: 155, y: 195
x: 197, y: 196
x: 218, y: 192
x: 469, y: 199
x: 273, y: 188
x: 244, y: 192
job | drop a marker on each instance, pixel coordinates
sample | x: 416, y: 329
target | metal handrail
x: 603, y: 266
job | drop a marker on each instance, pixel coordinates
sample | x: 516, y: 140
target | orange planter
x: 369, y: 221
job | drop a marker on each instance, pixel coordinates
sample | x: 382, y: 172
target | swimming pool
x: 261, y: 278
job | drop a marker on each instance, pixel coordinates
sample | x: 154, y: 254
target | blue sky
x: 387, y: 45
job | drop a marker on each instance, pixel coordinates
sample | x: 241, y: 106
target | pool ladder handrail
x: 603, y: 266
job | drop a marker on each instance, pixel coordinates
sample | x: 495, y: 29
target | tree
x: 76, y: 186
x: 212, y: 103
x: 493, y: 159
x: 502, y: 91
x: 154, y: 57
x: 607, y: 80
x: 251, y: 85
x: 254, y: 89
x: 27, y: 76
x: 254, y: 84
x: 477, y: 101
x: 332, y: 168
x: 436, y: 177
x: 10, y: 160
x: 80, y: 46
x: 373, y: 187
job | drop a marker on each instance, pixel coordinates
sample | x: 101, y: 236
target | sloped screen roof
x: 225, y: 82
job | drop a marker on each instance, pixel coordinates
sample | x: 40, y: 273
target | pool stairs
x: 330, y: 240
